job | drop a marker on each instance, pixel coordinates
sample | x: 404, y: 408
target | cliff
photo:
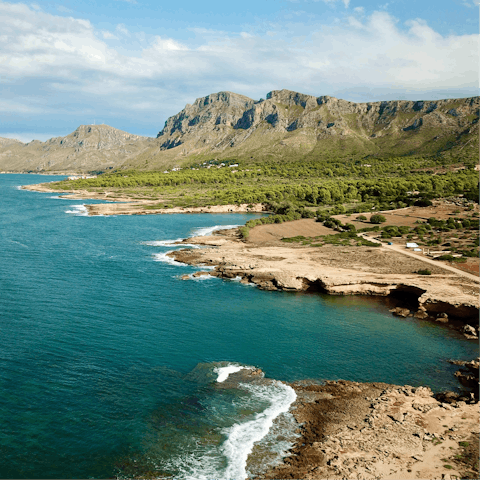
x: 286, y: 125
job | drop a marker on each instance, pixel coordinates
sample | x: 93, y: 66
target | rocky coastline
x: 355, y: 430
x: 442, y: 297
x: 366, y: 431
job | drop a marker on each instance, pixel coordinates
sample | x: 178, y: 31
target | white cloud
x: 360, y: 10
x: 58, y: 64
x: 109, y: 35
x: 121, y: 28
x: 471, y: 3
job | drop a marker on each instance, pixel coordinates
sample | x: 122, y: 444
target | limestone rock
x: 400, y: 312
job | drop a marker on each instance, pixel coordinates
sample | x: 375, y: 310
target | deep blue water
x: 107, y: 357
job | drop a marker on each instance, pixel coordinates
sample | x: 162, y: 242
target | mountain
x: 286, y: 125
x: 291, y: 124
x: 89, y: 147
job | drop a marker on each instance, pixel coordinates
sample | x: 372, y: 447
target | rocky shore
x: 444, y: 296
x: 355, y: 430
x: 368, y: 431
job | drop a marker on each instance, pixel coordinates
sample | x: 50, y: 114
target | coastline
x: 364, y: 430
x: 444, y: 296
x: 139, y: 207
x: 355, y: 430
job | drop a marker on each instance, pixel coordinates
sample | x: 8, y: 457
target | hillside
x: 290, y: 125
x: 89, y: 147
x: 286, y: 126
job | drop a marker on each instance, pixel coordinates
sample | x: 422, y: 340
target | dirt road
x: 401, y: 249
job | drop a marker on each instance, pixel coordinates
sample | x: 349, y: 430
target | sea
x: 112, y: 366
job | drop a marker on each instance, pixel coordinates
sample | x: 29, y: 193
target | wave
x: 224, y: 372
x: 271, y: 430
x: 78, y: 210
x: 242, y: 437
x: 198, y: 232
x: 205, y: 231
x: 62, y: 197
x: 162, y: 257
x: 169, y: 243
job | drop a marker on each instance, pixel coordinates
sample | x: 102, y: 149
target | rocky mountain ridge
x: 286, y: 125
x: 89, y: 147
x: 219, y: 121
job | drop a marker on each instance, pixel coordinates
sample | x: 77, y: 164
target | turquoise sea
x: 110, y: 363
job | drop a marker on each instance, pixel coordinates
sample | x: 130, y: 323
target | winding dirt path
x: 399, y: 249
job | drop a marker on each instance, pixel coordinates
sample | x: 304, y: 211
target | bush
x: 244, y: 231
x: 445, y: 257
x: 423, y: 202
x: 424, y: 272
x: 377, y: 219
x: 361, y: 218
x: 308, y: 214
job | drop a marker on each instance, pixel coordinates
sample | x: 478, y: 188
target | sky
x: 132, y: 64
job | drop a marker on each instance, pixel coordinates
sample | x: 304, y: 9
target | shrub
x: 361, y: 218
x: 308, y: 214
x: 377, y: 218
x: 424, y: 272
x: 423, y: 202
x: 244, y: 231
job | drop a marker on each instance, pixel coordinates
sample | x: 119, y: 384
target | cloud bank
x: 54, y: 66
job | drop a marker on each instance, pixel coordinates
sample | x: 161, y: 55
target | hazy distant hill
x: 287, y: 125
x: 89, y: 147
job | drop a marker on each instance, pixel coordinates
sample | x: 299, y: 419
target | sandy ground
x: 377, y: 431
x: 441, y: 210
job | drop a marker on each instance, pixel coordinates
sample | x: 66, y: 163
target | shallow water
x: 109, y: 362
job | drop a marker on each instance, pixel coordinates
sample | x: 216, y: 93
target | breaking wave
x: 78, y: 210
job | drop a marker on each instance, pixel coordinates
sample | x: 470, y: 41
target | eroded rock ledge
x: 442, y: 296
x: 367, y: 431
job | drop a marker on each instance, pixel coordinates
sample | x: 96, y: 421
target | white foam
x: 242, y: 437
x: 224, y: 372
x: 162, y: 257
x: 170, y: 243
x: 205, y: 231
x: 63, y: 197
x: 200, y: 278
x: 19, y: 187
x: 79, y: 210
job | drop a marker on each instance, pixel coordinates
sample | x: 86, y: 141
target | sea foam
x: 224, y: 372
x: 205, y: 231
x: 241, y: 437
x: 198, y: 232
x: 162, y: 257
x: 78, y: 210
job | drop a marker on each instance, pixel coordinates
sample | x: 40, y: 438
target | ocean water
x: 112, y: 366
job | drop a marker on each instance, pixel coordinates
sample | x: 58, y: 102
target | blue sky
x: 133, y: 63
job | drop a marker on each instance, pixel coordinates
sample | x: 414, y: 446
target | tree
x: 377, y: 219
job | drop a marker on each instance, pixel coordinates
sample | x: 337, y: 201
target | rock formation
x: 286, y: 125
x: 89, y: 147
